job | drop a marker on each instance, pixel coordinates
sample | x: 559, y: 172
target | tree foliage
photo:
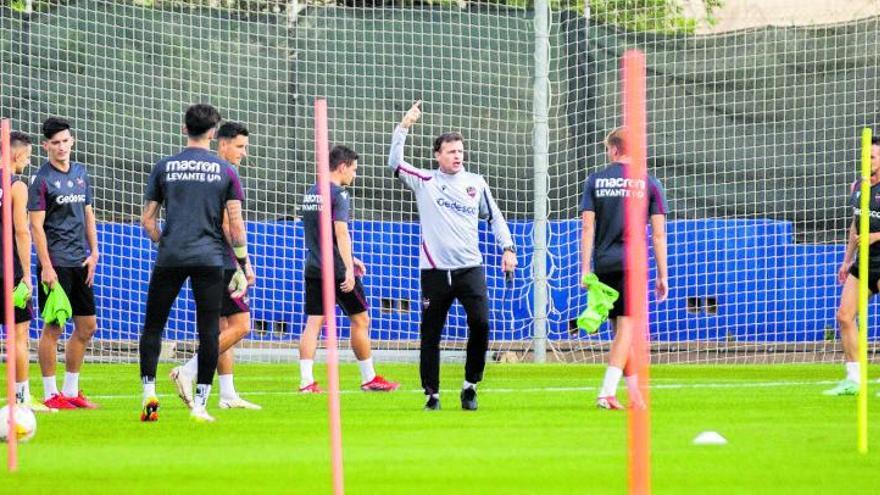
x: 663, y: 16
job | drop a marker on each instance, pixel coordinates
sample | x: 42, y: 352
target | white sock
x: 203, y: 391
x: 21, y: 392
x: 609, y: 384
x: 227, y: 388
x: 468, y: 384
x: 191, y: 367
x: 149, y: 386
x: 306, y: 377
x: 50, y: 387
x: 852, y: 372
x: 367, y: 371
x: 71, y: 384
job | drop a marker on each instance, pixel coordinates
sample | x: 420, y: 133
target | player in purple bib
x: 66, y: 241
x: 196, y: 188
x: 602, y: 253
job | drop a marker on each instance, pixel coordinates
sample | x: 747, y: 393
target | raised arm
x: 398, y: 140
x: 410, y: 176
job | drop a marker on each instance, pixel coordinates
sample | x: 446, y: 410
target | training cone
x: 710, y: 438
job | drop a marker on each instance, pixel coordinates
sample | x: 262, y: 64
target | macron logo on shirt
x: 619, y: 187
x: 192, y: 171
x: 70, y: 198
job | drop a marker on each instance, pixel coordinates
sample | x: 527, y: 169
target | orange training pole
x: 9, y: 324
x: 328, y: 280
x: 635, y: 121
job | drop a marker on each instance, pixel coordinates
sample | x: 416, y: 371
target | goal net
x: 753, y: 134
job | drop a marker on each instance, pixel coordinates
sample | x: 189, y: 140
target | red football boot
x: 81, y: 401
x: 609, y: 402
x: 57, y: 401
x: 311, y: 388
x: 379, y: 384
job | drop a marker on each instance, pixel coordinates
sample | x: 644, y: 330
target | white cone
x: 710, y: 438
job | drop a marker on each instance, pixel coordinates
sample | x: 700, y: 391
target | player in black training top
x: 848, y: 275
x: 235, y: 315
x: 602, y: 212
x: 348, y: 271
x: 194, y: 186
x: 66, y: 242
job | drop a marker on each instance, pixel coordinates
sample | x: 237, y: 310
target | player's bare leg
x: 617, y: 359
x: 22, y: 391
x: 75, y: 350
x: 308, y: 344
x: 849, y: 338
x: 22, y: 362
x: 360, y: 344
x: 233, y: 328
x: 47, y: 355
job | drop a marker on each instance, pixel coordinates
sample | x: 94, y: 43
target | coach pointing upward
x: 451, y: 201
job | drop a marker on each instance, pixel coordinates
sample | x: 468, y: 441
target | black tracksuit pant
x: 165, y: 284
x: 439, y: 289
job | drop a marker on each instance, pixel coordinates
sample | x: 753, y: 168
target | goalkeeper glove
x: 238, y: 285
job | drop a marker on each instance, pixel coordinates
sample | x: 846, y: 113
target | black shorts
x: 73, y: 281
x: 615, y: 280
x: 21, y: 314
x: 873, y: 276
x: 232, y: 306
x: 352, y: 303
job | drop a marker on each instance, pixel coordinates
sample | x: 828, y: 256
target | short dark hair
x: 875, y: 140
x: 447, y: 137
x: 341, y: 154
x: 200, y: 118
x: 18, y: 138
x: 230, y: 130
x: 54, y: 125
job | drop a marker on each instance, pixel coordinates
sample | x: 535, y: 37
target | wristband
x: 240, y: 255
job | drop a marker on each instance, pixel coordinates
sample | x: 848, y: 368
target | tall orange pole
x: 328, y: 281
x: 9, y: 324
x: 635, y: 122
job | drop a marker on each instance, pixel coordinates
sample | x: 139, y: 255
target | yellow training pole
x: 864, y: 233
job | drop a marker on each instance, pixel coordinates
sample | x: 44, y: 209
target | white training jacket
x: 450, y: 207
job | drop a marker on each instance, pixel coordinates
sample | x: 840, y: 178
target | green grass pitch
x: 536, y: 432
